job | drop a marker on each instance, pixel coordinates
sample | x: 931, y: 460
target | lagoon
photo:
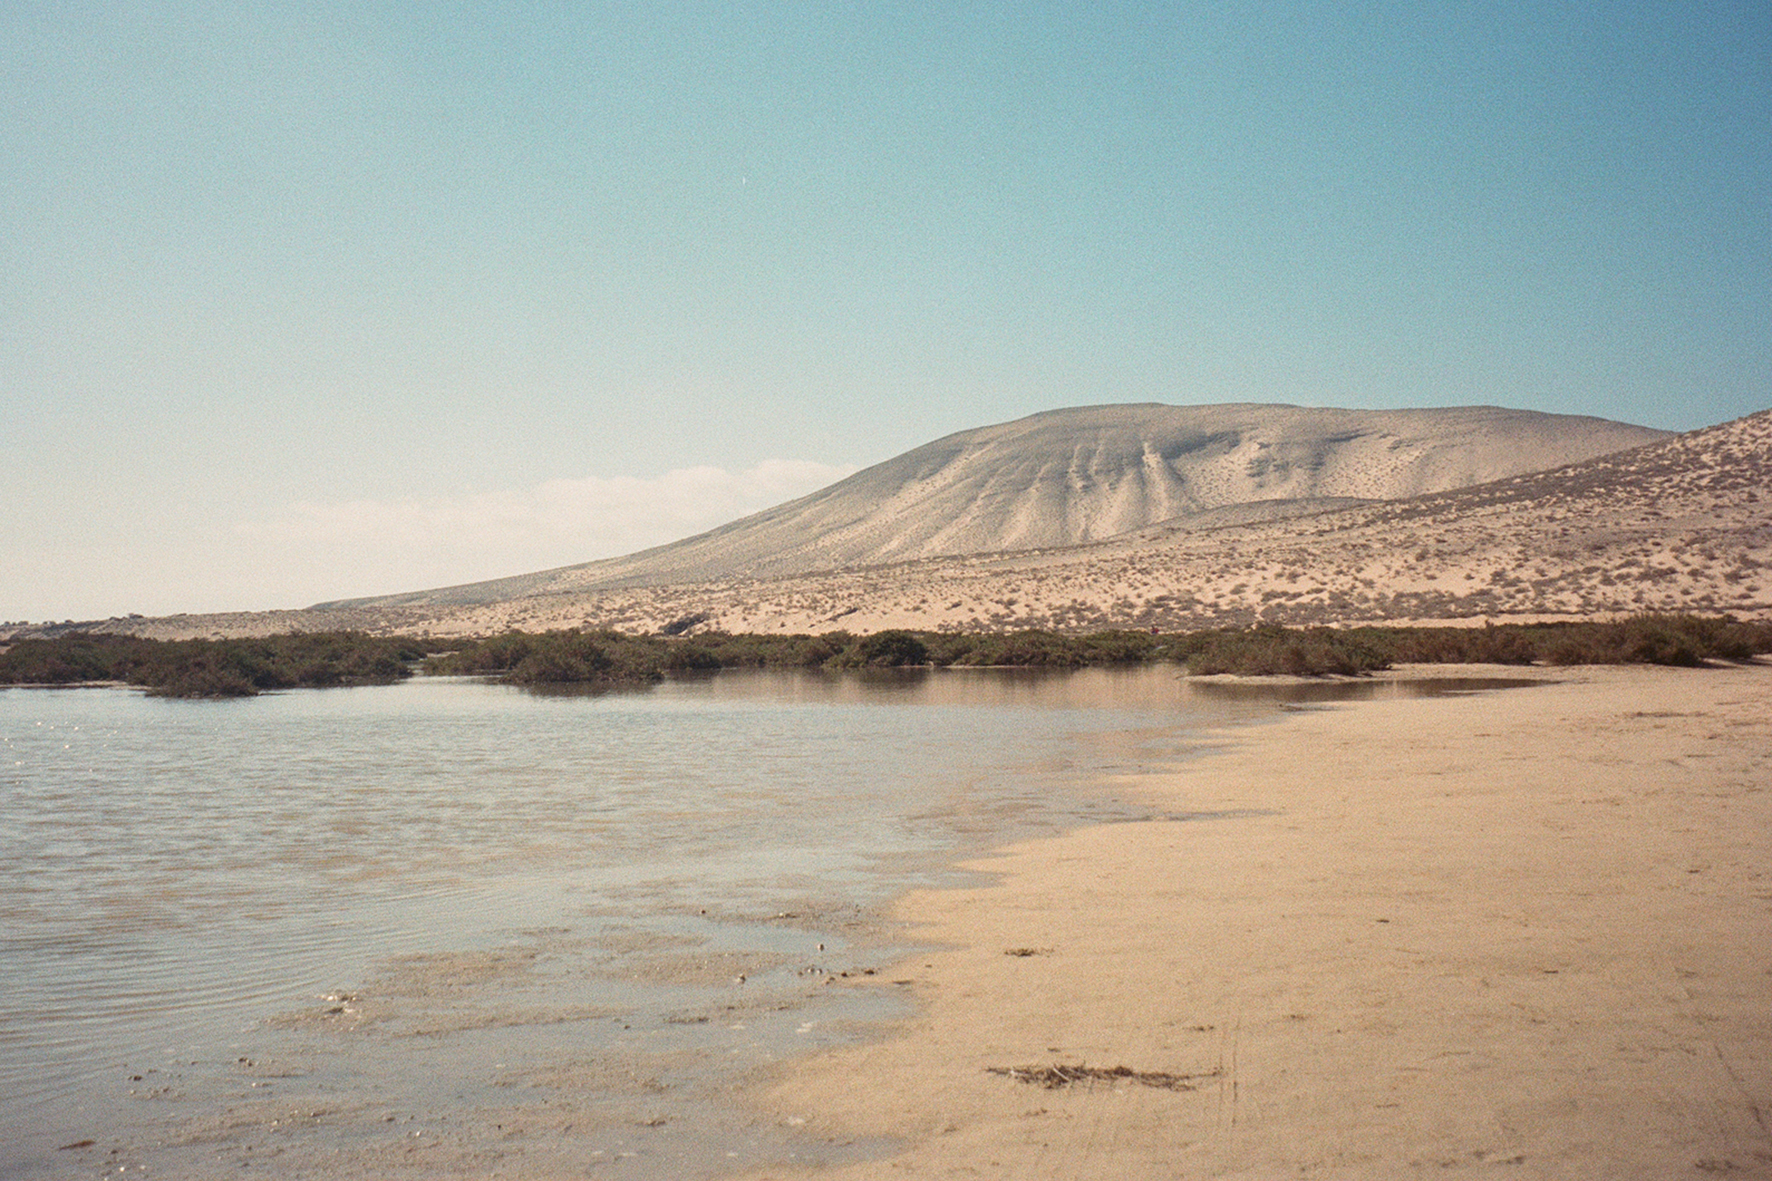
x: 445, y: 926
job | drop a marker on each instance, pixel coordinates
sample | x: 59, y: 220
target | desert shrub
x: 1662, y: 640
x: 1029, y: 648
x: 568, y: 657
x: 1124, y: 647
x: 1685, y: 640
x: 1491, y: 644
x: 495, y: 655
x: 887, y: 649
x: 760, y: 651
x: 212, y: 668
x: 818, y: 651
x: 1039, y: 648
x: 1270, y: 650
x: 68, y: 660
x: 241, y: 667
x: 1682, y: 640
x: 723, y: 649
x: 950, y: 647
x: 608, y: 657
x: 201, y: 676
x: 594, y: 658
x: 1735, y: 640
x: 690, y: 657
x: 559, y: 664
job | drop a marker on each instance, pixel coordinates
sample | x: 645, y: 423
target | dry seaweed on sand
x: 1059, y: 1075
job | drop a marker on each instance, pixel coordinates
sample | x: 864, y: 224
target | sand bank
x: 1527, y: 932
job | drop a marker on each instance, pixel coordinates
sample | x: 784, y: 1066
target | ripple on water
x: 559, y: 926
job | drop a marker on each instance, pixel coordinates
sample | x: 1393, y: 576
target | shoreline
x: 1529, y: 929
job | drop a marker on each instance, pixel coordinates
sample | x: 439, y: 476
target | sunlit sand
x: 1525, y: 930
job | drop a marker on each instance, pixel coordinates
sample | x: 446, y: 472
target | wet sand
x: 1525, y: 932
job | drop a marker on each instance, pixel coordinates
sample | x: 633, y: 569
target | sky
x: 308, y: 301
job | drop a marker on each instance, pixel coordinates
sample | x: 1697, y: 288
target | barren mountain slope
x: 1070, y: 477
x: 1681, y: 525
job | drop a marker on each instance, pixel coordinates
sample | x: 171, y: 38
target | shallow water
x: 445, y: 927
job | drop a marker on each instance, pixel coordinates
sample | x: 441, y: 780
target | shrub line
x: 603, y: 658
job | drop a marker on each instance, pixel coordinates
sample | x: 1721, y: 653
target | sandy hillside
x: 1684, y: 524
x: 1069, y: 477
x: 1680, y: 525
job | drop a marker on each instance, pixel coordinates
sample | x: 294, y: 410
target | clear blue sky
x: 301, y: 301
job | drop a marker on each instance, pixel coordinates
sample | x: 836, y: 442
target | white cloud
x: 380, y: 546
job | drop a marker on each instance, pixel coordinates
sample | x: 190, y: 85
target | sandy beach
x: 1526, y: 932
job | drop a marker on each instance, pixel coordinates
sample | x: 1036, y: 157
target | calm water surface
x: 303, y: 932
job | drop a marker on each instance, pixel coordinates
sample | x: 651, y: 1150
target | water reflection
x: 1314, y: 692
x: 1157, y: 685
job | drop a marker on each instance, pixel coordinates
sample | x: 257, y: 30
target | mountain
x: 1684, y: 524
x: 1680, y: 524
x: 1072, y: 477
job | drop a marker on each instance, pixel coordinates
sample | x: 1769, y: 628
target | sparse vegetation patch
x: 1270, y: 650
x: 559, y: 658
x: 604, y: 658
x: 212, y: 668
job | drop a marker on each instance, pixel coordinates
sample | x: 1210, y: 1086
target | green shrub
x: 887, y: 649
x: 759, y: 651
x: 1683, y: 640
x: 1269, y: 650
x: 690, y: 657
x: 211, y: 668
x: 202, y: 677
x: 241, y: 667
x: 1124, y: 647
x: 1026, y: 649
x: 1491, y: 644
